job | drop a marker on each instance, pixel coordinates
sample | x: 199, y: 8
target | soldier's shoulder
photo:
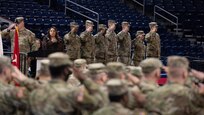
x: 67, y: 35
x: 96, y: 35
x: 147, y: 87
x: 175, y: 89
x: 120, y: 33
x: 129, y: 34
x: 82, y: 33
x: 29, y: 31
x: 147, y: 35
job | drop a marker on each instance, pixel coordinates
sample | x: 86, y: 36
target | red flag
x: 16, y: 53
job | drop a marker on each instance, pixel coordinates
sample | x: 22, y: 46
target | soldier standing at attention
x: 151, y: 70
x: 80, y: 64
x: 26, y: 39
x: 88, y: 43
x: 101, y: 45
x: 112, y: 41
x: 12, y: 98
x: 43, y: 74
x: 124, y: 42
x: 61, y: 98
x: 72, y: 42
x: 175, y: 98
x: 118, y: 95
x: 153, y: 41
x: 139, y: 47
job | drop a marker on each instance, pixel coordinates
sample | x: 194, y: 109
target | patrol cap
x: 102, y: 27
x: 136, y: 71
x: 152, y: 24
x: 124, y: 23
x: 150, y: 64
x: 74, y: 24
x: 89, y: 22
x: 5, y: 61
x: 140, y: 32
x: 96, y: 68
x: 117, y: 87
x: 44, y: 63
x: 177, y: 61
x: 59, y: 59
x: 79, y: 62
x: 112, y: 22
x: 18, y: 20
x: 116, y: 67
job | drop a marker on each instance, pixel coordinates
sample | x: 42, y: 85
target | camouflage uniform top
x: 124, y: 42
x: 147, y: 86
x: 112, y: 43
x: 27, y: 39
x: 73, y: 81
x: 10, y: 103
x: 101, y: 45
x: 153, y: 44
x: 73, y: 44
x: 174, y: 99
x: 87, y: 45
x: 139, y: 49
x: 114, y: 109
x: 62, y: 99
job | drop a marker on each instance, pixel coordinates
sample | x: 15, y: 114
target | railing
x: 170, y: 14
x: 143, y: 5
x: 71, y: 2
x: 23, y: 61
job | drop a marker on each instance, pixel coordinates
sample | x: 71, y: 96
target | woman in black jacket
x: 52, y: 41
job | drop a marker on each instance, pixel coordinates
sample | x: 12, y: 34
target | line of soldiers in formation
x: 105, y: 46
x: 63, y: 87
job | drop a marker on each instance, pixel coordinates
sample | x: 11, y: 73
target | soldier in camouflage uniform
x: 112, y: 41
x: 136, y: 71
x: 81, y: 64
x: 56, y: 97
x: 88, y: 43
x: 117, y: 91
x: 13, y: 101
x: 175, y: 98
x: 117, y: 70
x: 124, y: 44
x: 27, y: 40
x: 151, y: 70
x: 153, y: 41
x: 139, y: 48
x: 101, y: 45
x: 97, y: 72
x: 72, y: 42
x: 43, y: 74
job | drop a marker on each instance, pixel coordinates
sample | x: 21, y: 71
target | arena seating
x: 40, y: 17
x: 114, y: 9
x: 190, y: 13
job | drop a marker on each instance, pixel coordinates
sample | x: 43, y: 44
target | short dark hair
x: 116, y: 98
x: 56, y: 71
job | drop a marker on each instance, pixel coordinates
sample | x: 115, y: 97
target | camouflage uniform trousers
x: 137, y: 60
x: 100, y: 60
x: 89, y: 60
x: 111, y: 58
x: 125, y: 60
